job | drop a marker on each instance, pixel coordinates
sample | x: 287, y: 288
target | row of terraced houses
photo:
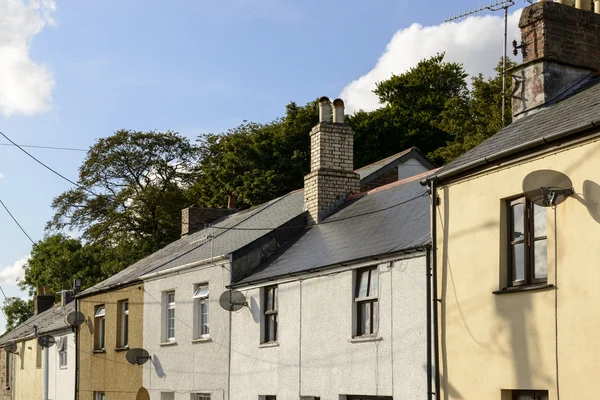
x: 394, y: 281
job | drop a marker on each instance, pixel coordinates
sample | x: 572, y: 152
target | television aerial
x: 46, y: 341
x: 137, y: 356
x: 75, y: 318
x: 232, y: 300
x: 547, y: 188
x: 10, y: 347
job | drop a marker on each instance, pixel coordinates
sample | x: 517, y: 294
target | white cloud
x: 476, y: 42
x: 27, y: 86
x: 1, y: 175
x: 11, y: 274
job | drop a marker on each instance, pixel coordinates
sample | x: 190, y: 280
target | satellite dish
x: 46, y: 341
x: 232, y: 300
x: 142, y: 394
x: 137, y: 356
x: 547, y: 188
x: 10, y: 347
x: 75, y: 318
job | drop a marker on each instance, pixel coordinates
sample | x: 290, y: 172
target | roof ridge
x: 386, y: 158
x: 397, y: 183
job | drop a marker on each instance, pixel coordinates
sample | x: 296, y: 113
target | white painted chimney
x: 597, y: 6
x: 584, y: 4
x: 324, y: 109
x: 338, y: 111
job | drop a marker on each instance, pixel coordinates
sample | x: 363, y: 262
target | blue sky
x: 79, y: 70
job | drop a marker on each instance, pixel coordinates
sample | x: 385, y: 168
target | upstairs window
x: 99, y: 316
x: 201, y: 311
x: 123, y: 323
x: 270, y: 314
x: 530, y: 395
x: 527, y: 258
x: 169, y: 312
x: 366, y: 301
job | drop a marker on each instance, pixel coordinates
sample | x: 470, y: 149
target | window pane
x: 275, y: 298
x: 541, y: 259
x: 201, y: 291
x: 204, y: 318
x: 374, y: 286
x: 363, y: 281
x: 364, y: 322
x: 540, y: 220
x: 518, y: 261
x: 269, y: 294
x: 375, y: 317
x: 518, y: 222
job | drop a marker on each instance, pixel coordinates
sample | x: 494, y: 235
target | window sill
x: 267, y: 345
x: 173, y: 343
x: 362, y: 339
x: 202, y: 340
x: 124, y: 348
x: 63, y: 368
x: 99, y: 351
x: 524, y: 288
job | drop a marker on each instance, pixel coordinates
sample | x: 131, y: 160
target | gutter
x: 511, y: 151
x: 180, y: 268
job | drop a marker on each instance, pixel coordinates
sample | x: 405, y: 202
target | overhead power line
x: 43, y: 147
x: 16, y: 222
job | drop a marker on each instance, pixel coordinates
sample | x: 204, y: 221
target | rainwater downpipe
x: 429, y: 334
x: 45, y: 374
x: 434, y: 303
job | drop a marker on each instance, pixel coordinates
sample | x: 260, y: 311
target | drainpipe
x: 429, y: 333
x: 434, y: 200
x: 45, y: 374
x: 76, y: 332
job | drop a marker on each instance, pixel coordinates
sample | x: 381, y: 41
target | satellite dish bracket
x: 551, y: 194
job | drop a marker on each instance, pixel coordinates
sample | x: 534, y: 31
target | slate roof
x: 385, y: 220
x: 369, y: 172
x: 49, y: 321
x: 578, y: 107
x: 197, y: 247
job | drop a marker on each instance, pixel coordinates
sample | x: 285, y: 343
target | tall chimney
x: 561, y: 45
x: 331, y: 176
x: 194, y: 218
x: 42, y: 301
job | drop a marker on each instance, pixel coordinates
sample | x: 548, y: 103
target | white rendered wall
x: 410, y: 168
x: 316, y: 355
x: 187, y: 366
x: 61, y: 381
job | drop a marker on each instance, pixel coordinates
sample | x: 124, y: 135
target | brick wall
x: 382, y: 180
x: 193, y: 218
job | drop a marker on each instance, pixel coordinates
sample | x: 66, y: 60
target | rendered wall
x: 493, y: 342
x: 6, y: 382
x: 28, y: 377
x: 61, y: 381
x: 316, y: 355
x: 187, y: 366
x: 109, y: 371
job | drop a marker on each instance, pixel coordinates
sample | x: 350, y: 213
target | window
x: 365, y: 298
x: 270, y: 397
x: 353, y: 397
x: 170, y: 316
x: 270, y: 314
x: 62, y: 352
x: 38, y: 355
x: 99, y: 315
x: 7, y: 367
x: 200, y: 396
x: 167, y: 396
x: 99, y: 396
x: 201, y: 311
x: 22, y: 356
x: 527, y: 261
x: 123, y: 323
x: 530, y: 395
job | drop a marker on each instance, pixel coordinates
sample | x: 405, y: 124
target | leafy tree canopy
x: 16, y: 311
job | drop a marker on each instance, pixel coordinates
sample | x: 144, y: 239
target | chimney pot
x: 324, y: 109
x: 338, y: 113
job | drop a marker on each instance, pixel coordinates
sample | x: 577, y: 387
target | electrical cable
x: 42, y: 147
x: 16, y: 222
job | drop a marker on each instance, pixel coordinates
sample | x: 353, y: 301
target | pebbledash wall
x: 187, y: 365
x: 316, y: 354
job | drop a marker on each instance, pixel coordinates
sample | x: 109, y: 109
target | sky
x: 74, y: 71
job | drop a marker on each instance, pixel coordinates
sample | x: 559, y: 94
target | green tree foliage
x: 58, y: 259
x: 256, y: 162
x: 414, y: 102
x: 16, y: 311
x: 132, y: 187
x: 474, y: 116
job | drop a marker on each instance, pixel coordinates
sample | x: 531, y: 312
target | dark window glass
x: 270, y: 314
x: 530, y: 395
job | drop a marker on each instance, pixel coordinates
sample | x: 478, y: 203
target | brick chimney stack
x: 42, y: 301
x: 561, y: 45
x: 194, y: 218
x: 331, y: 176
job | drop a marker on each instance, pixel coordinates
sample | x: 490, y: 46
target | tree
x: 16, y: 311
x: 472, y: 118
x: 58, y: 259
x: 131, y: 189
x: 256, y: 162
x: 414, y: 102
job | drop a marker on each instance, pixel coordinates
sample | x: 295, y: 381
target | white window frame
x: 369, y: 299
x: 62, y: 352
x: 100, y: 327
x: 169, y: 322
x: 201, y: 311
x: 124, y: 323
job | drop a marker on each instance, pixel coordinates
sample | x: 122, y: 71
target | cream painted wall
x: 493, y: 342
x: 187, y: 366
x: 316, y: 355
x: 28, y: 377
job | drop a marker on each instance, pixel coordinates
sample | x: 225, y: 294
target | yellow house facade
x: 517, y: 280
x: 28, y: 370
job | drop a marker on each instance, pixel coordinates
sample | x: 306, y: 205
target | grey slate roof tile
x: 49, y: 321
